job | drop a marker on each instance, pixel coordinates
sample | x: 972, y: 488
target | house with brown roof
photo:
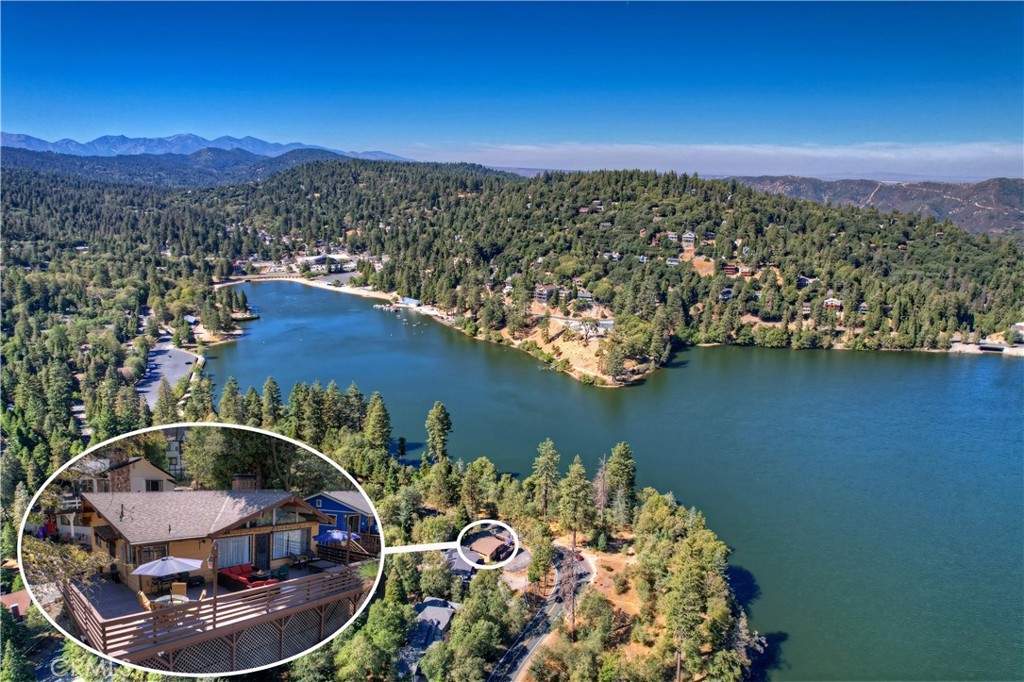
x: 260, y: 528
x: 490, y: 547
x: 275, y: 595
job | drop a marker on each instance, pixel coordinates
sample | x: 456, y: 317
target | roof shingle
x: 166, y: 516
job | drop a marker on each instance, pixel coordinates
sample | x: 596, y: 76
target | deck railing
x: 136, y: 636
x: 366, y: 547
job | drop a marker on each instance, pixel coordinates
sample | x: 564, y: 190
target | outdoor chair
x: 179, y: 589
x: 202, y: 595
x: 145, y: 603
x: 281, y: 572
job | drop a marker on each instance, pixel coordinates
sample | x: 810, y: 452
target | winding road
x: 517, y: 658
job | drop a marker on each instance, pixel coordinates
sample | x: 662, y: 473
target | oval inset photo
x: 201, y: 549
x: 488, y: 544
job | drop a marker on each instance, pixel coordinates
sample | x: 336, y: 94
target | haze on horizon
x: 890, y: 91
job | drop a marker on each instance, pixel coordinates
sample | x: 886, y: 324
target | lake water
x: 875, y: 501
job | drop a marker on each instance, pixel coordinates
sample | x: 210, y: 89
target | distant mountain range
x: 119, y: 145
x: 993, y: 206
x: 205, y: 167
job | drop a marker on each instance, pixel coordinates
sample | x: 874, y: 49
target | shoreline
x: 578, y: 373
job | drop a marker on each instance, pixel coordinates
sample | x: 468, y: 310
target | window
x: 319, y: 502
x: 149, y: 553
x: 290, y: 542
x: 333, y: 518
x: 152, y: 485
x: 233, y: 551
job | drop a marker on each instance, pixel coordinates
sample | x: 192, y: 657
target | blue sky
x: 820, y: 89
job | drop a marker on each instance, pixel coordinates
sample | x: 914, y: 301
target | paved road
x: 517, y: 658
x: 170, y: 363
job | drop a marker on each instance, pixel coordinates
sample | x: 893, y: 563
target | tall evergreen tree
x: 377, y: 425
x: 622, y: 473
x: 231, y: 407
x: 166, y: 409
x: 575, y: 514
x: 253, y: 408
x: 439, y: 427
x: 545, y: 476
x: 271, y: 407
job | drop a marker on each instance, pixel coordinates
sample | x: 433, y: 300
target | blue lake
x: 875, y: 501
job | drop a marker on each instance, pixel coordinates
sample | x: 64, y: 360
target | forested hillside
x: 83, y: 259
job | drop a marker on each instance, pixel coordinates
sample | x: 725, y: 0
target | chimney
x: 243, y: 481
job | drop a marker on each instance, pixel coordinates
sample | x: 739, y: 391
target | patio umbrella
x: 334, y: 535
x: 168, y: 565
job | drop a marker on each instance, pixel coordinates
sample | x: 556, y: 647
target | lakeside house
x: 730, y: 269
x: 277, y: 596
x: 832, y: 303
x: 688, y: 240
x: 491, y: 547
x: 263, y: 528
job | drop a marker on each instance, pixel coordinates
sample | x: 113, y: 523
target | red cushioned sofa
x: 240, y: 578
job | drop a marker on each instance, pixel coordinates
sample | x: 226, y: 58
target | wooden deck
x: 113, y: 599
x: 110, y: 619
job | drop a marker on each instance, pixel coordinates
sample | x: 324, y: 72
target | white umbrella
x: 168, y: 565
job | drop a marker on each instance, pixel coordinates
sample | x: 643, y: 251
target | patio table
x: 171, y: 600
x: 319, y: 566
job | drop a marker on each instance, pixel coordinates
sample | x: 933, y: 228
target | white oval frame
x: 491, y: 522
x: 93, y: 448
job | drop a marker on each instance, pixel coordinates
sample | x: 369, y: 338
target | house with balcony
x: 263, y: 591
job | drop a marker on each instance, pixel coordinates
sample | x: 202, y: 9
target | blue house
x: 348, y: 510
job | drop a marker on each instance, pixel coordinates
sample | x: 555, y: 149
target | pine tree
x: 253, y: 408
x: 377, y: 425
x: 16, y: 668
x: 199, y: 406
x: 576, y: 513
x: 622, y: 473
x: 545, y: 476
x: 271, y: 407
x: 439, y: 427
x: 333, y: 407
x: 354, y: 413
x: 231, y: 407
x: 166, y: 411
